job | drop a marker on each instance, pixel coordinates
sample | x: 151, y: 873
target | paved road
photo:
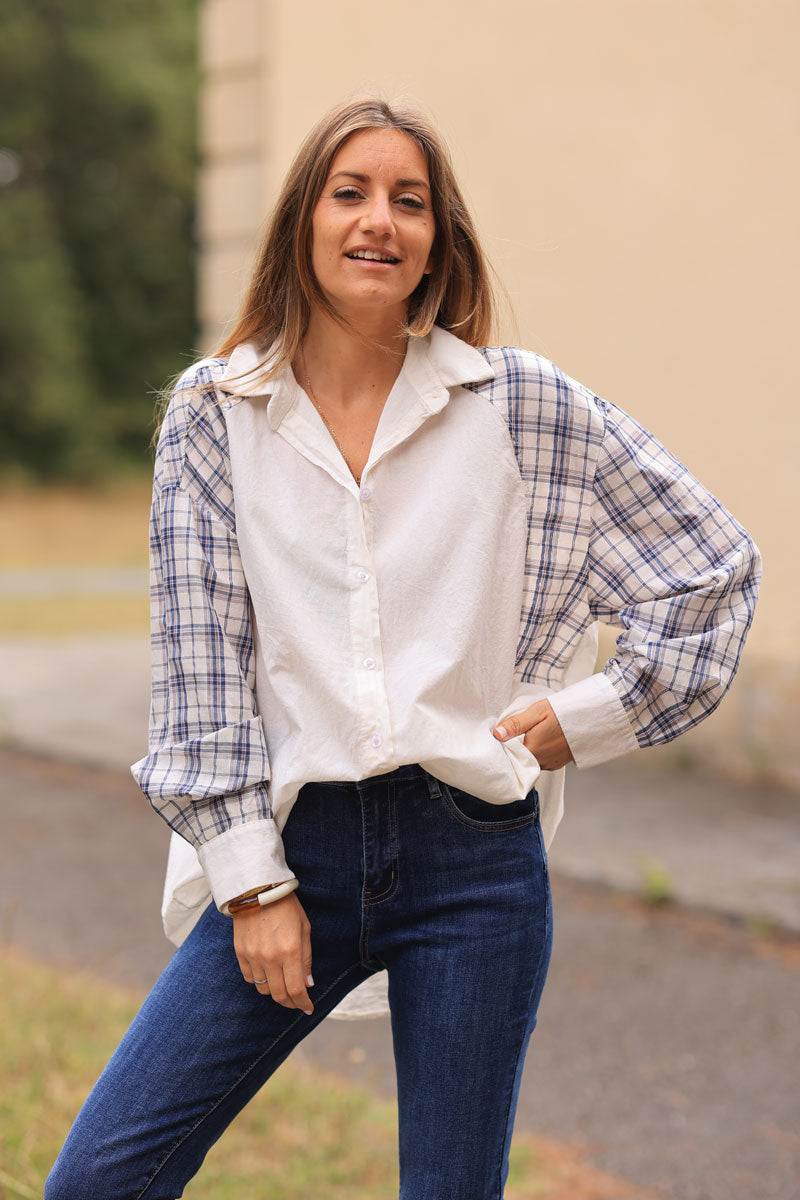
x: 666, y: 1040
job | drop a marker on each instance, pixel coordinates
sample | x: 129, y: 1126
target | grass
x: 301, y: 1136
x: 58, y: 527
x: 657, y: 884
x: 305, y: 1135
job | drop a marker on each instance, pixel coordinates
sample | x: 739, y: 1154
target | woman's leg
x: 205, y: 1041
x: 465, y: 931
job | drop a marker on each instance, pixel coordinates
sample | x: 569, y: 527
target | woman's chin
x: 374, y: 306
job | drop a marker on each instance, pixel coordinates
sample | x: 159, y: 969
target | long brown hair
x: 456, y: 295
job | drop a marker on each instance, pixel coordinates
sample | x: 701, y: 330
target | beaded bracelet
x: 274, y: 891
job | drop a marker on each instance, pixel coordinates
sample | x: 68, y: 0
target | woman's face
x: 373, y: 225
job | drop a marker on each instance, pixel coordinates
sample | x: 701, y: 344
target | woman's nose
x: 378, y: 216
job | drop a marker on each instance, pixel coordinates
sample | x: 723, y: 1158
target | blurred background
x: 633, y: 169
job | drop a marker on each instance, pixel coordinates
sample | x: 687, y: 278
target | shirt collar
x: 432, y: 366
x: 245, y: 374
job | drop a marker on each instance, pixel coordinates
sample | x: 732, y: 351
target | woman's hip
x: 406, y: 848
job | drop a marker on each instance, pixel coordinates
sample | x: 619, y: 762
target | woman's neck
x: 348, y: 371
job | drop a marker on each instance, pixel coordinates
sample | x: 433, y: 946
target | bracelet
x: 274, y: 891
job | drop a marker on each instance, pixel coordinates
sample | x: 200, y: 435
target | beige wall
x: 633, y: 167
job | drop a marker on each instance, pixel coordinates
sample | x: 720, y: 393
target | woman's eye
x: 353, y: 193
x: 411, y: 202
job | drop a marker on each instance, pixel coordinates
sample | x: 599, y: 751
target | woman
x: 379, y: 554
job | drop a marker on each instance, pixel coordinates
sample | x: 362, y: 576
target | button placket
x: 369, y: 686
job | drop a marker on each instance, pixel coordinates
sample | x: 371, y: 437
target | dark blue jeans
x: 446, y: 892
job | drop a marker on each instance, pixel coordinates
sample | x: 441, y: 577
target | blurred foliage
x: 97, y: 181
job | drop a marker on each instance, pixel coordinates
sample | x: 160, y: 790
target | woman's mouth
x: 371, y: 256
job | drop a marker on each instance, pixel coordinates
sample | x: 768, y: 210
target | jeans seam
x: 506, y: 1143
x: 545, y: 870
x: 234, y: 1086
x: 394, y: 882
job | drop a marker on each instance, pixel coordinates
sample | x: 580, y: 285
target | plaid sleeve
x: 671, y: 567
x: 207, y: 768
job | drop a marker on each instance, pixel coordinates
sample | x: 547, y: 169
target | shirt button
x: 369, y: 663
x: 376, y: 740
x: 362, y: 575
x: 365, y: 493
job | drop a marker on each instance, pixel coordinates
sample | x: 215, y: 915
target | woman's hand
x: 273, y: 947
x: 543, y: 734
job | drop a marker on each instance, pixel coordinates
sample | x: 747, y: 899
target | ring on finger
x: 259, y: 981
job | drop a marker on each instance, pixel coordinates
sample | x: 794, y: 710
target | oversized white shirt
x: 308, y: 629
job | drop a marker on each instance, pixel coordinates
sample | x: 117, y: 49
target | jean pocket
x: 482, y: 814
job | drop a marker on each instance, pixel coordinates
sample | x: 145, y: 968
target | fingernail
x: 502, y: 731
x: 309, y: 980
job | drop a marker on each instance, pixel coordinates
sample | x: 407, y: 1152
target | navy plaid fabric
x: 206, y: 741
x: 619, y: 531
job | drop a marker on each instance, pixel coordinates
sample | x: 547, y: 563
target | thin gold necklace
x: 313, y: 399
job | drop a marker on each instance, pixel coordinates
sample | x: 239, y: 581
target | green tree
x: 97, y: 176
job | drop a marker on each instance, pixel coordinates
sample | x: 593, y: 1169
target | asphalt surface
x: 667, y: 1036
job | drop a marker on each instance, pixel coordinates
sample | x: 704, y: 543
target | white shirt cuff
x: 593, y: 720
x: 245, y: 857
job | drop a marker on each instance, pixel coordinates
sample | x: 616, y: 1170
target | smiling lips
x: 372, y: 256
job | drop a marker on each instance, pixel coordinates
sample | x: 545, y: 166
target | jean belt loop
x: 434, y: 787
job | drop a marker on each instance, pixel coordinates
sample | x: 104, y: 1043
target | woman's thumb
x: 510, y: 727
x: 522, y: 722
